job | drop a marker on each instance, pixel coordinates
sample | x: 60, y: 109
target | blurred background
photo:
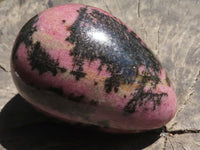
x: 170, y: 28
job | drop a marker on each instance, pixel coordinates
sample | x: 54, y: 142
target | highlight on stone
x: 83, y: 65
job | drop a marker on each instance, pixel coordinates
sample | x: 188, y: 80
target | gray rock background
x: 171, y: 28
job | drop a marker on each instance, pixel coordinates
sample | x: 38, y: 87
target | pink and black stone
x: 83, y: 65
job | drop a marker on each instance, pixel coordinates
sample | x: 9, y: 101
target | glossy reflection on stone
x: 81, y: 64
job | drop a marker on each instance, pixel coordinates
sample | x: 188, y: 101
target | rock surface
x: 170, y: 28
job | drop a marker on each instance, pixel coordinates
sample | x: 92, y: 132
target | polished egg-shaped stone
x: 81, y: 64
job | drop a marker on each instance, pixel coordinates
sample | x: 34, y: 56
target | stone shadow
x: 22, y: 127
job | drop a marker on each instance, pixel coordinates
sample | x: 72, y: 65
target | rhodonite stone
x: 81, y: 64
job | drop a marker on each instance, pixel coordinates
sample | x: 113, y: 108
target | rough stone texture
x: 170, y: 28
x: 183, y: 142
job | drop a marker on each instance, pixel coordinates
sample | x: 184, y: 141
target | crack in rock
x: 138, y: 10
x: 190, y: 93
x: 171, y: 144
x: 4, y: 69
x: 165, y: 144
x: 166, y: 133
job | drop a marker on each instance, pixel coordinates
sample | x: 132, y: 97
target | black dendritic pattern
x: 25, y: 35
x: 37, y: 55
x: 42, y: 61
x: 141, y: 98
x: 122, y: 53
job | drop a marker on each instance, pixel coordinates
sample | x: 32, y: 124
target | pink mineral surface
x: 81, y: 64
